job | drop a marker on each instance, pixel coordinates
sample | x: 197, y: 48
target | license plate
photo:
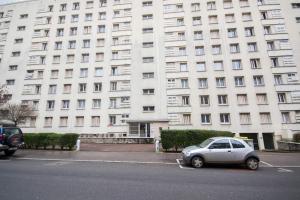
x: 13, y: 148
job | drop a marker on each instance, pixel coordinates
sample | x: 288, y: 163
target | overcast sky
x: 9, y: 1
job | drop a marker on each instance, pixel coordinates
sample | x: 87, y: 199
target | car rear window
x: 11, y: 131
x: 236, y: 144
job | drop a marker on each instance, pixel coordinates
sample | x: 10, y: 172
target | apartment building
x: 128, y: 68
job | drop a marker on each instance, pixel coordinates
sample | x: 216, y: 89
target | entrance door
x: 252, y: 136
x: 269, y: 141
x: 144, y: 129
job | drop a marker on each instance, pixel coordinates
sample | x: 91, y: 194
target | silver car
x: 221, y: 150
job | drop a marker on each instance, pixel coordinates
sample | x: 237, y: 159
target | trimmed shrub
x: 68, y: 140
x: 179, y: 139
x: 44, y: 140
x: 296, y: 137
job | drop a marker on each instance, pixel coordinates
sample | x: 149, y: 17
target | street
x: 30, y: 178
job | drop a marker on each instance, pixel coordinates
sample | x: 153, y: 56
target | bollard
x: 156, y: 146
x: 78, y: 145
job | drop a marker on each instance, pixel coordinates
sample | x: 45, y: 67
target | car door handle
x: 229, y: 150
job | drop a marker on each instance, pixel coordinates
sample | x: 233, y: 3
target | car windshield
x: 11, y: 131
x: 205, y: 143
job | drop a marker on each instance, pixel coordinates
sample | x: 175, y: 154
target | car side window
x: 236, y: 144
x: 220, y: 144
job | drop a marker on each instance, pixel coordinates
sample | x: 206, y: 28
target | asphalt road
x: 64, y: 180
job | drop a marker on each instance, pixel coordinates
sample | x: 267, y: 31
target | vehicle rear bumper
x: 3, y: 147
x: 6, y: 147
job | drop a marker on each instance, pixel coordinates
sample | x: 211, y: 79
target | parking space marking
x: 267, y: 164
x: 180, y: 165
x: 104, y: 161
x: 284, y: 170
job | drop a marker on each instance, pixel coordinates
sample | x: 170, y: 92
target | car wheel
x: 197, y: 162
x: 9, y: 152
x: 252, y: 163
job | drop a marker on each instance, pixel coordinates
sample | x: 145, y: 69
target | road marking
x: 284, y: 170
x: 5, y: 160
x: 180, y: 166
x: 104, y: 161
x: 267, y: 164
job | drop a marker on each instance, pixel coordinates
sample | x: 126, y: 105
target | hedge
x: 52, y: 140
x: 178, y: 139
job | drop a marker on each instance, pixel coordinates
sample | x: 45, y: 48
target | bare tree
x: 17, y: 113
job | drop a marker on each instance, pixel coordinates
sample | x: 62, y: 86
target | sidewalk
x: 99, y: 156
x: 117, y: 147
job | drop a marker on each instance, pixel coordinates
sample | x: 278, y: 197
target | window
x: 67, y: 88
x: 88, y: 17
x: 198, y: 35
x: 85, y: 58
x: 199, y: 50
x: 236, y: 64
x: 16, y: 54
x: 48, y: 122
x: 147, y: 75
x: 52, y: 89
x: 274, y: 62
x: 147, y: 44
x: 74, y: 18
x: 98, y: 71
x: 61, y: 19
x: 202, y: 82
x: 18, y: 40
x: 220, y: 82
x: 148, y: 108
x: 147, y: 16
x: 63, y: 121
x: 148, y: 59
x: 87, y: 30
x: 245, y: 118
x: 239, y: 81
x: 68, y: 73
x: 180, y: 22
x: 50, y: 105
x: 79, y: 121
x: 113, y: 86
x: 147, y: 30
x: 185, y: 100
x: 82, y: 87
x: 23, y: 16
x: 183, y: 67
x: 58, y: 45
x: 218, y: 66
x: 73, y: 31
x: 101, y: 29
x: 21, y: 28
x: 229, y: 18
x: 13, y: 67
x: 232, y: 33
x: 285, y: 117
x: 96, y: 103
x: 80, y: 104
x: 63, y: 7
x: 65, y: 104
x: 211, y: 5
x: 86, y: 44
x: 255, y: 63
x: 220, y: 144
x: 246, y: 16
x: 195, y: 7
x: 205, y: 119
x: 225, y: 118
x: 258, y: 80
x: 242, y: 99
x: 184, y: 83
x: 261, y: 99
x: 265, y: 118
x: 236, y: 144
x: 186, y: 118
x: 249, y: 31
x: 112, y: 120
x: 95, y: 121
x: 215, y: 34
x: 252, y: 47
x: 54, y: 74
x: 281, y: 98
x: 76, y: 6
x: 204, y: 100
x: 216, y: 49
x: 148, y: 91
x: 100, y: 42
x: 147, y: 3
x: 97, y: 87
x: 83, y: 72
x: 234, y: 48
x: 201, y: 67
x: 222, y: 100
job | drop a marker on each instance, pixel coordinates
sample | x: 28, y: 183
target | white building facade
x: 127, y: 68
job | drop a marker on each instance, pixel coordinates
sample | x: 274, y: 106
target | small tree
x: 17, y: 112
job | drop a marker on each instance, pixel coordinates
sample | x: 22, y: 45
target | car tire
x: 9, y: 152
x: 252, y: 163
x: 197, y: 162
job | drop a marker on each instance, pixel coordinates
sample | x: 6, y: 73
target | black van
x: 11, y: 138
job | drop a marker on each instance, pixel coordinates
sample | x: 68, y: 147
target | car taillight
x: 1, y: 138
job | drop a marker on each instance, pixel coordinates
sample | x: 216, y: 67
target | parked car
x: 223, y: 150
x: 11, y: 138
